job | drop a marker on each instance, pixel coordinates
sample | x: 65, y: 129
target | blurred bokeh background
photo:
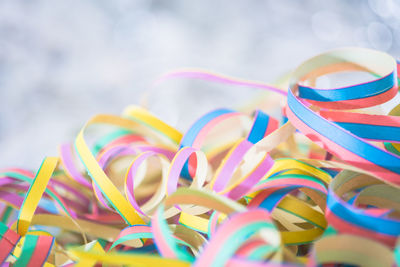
x: 63, y: 61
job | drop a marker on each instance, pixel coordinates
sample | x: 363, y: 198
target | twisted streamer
x: 235, y: 189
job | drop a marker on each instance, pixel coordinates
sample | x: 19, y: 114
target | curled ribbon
x: 237, y: 188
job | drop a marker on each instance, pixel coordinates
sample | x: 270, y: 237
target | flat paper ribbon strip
x: 35, y: 193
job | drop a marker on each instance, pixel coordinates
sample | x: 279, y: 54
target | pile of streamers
x: 317, y: 186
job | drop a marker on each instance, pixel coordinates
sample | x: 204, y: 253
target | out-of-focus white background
x: 63, y: 61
